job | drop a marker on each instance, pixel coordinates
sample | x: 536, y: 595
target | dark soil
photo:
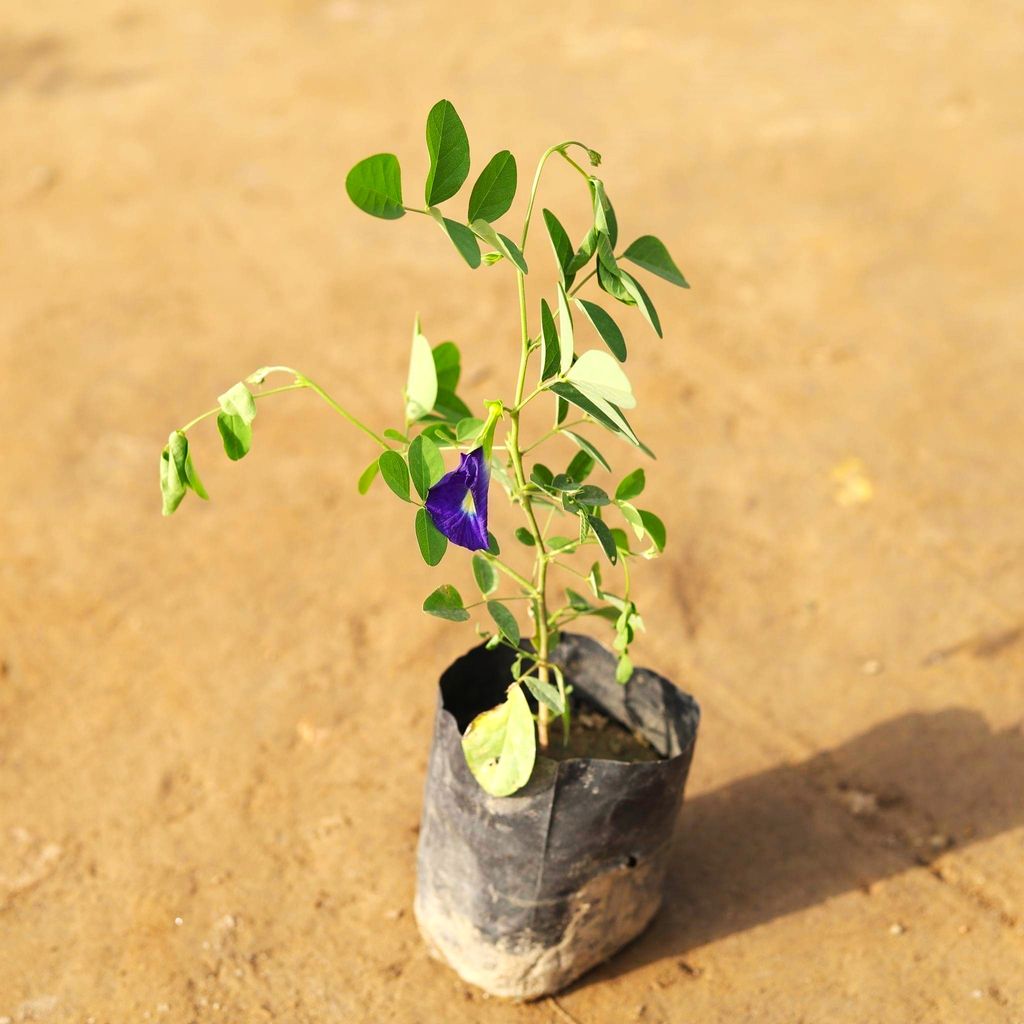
x: 594, y: 734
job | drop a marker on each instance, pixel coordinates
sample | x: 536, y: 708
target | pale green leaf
x: 421, y: 387
x: 633, y: 517
x: 500, y: 745
x: 603, y: 412
x: 598, y: 375
x: 238, y: 401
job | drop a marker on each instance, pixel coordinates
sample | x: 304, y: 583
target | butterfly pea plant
x: 587, y: 389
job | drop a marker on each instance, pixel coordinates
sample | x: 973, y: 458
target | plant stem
x: 301, y: 381
x: 540, y: 611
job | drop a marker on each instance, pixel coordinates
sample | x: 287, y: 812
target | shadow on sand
x: 787, y: 839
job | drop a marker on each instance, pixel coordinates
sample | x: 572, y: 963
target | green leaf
x: 610, y: 280
x: 181, y: 456
x: 591, y: 496
x: 632, y: 516
x: 367, y: 477
x: 421, y: 386
x: 606, y: 327
x: 500, y: 745
x: 172, y: 483
x: 549, y: 336
x: 426, y: 465
x: 565, y: 332
x: 624, y: 669
x: 650, y: 253
x: 599, y: 376
x: 589, y: 448
x: 460, y: 236
x: 524, y: 536
x: 642, y: 299
x: 577, y: 601
x: 485, y: 575
x: 655, y: 527
x: 447, y: 364
x: 562, y: 246
x: 504, y: 620
x: 541, y: 475
x: 495, y: 189
x: 632, y: 484
x: 238, y: 401
x: 468, y: 429
x: 492, y: 544
x: 501, y: 242
x: 432, y: 542
x: 603, y: 412
x: 545, y: 693
x: 448, y: 148
x: 375, y: 186
x: 395, y: 473
x: 601, y: 206
x: 450, y: 406
x: 396, y: 435
x: 604, y: 538
x: 446, y: 603
x: 581, y: 466
x: 235, y: 434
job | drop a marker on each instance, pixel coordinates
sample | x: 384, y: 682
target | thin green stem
x: 582, y: 282
x: 341, y: 411
x: 551, y: 433
x: 542, y: 638
x: 259, y: 394
x: 510, y: 572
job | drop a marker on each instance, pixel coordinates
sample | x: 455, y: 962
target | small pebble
x: 896, y: 929
x: 178, y: 921
x: 872, y: 667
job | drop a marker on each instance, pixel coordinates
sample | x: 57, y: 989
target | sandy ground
x: 213, y: 728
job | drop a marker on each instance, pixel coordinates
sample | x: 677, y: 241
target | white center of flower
x: 468, y: 504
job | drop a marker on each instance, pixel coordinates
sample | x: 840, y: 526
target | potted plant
x: 557, y: 768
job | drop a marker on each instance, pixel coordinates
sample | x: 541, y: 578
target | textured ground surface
x: 213, y: 728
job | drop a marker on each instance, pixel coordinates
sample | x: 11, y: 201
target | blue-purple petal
x: 446, y: 503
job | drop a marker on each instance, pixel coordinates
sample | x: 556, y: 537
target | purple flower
x: 457, y: 503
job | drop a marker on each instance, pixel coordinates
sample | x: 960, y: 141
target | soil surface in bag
x: 595, y: 734
x: 523, y: 894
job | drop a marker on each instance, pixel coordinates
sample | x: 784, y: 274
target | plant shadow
x: 787, y: 839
